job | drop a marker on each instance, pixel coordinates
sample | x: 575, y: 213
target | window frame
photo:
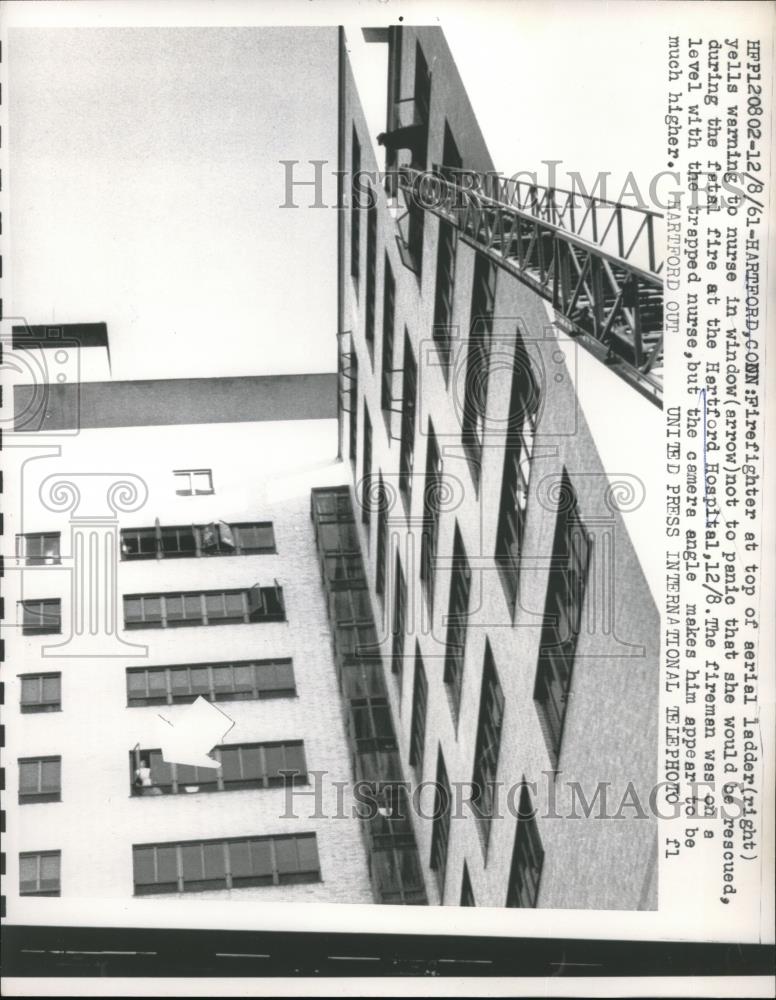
x: 168, y: 673
x: 382, y: 545
x: 467, y: 892
x: 272, y: 875
x: 39, y: 856
x: 444, y: 292
x: 527, y: 848
x: 45, y: 607
x: 246, y: 616
x: 214, y: 779
x: 399, y: 621
x: 353, y: 410
x: 366, y: 471
x: 370, y: 307
x: 201, y: 547
x: 355, y: 210
x: 370, y: 724
x: 53, y: 558
x: 419, y: 715
x: 516, y: 476
x: 429, y: 539
x: 42, y: 704
x: 477, y: 371
x: 457, y: 624
x: 192, y: 490
x: 487, y: 748
x: 565, y: 596
x: 408, y: 420
x: 440, y: 831
x: 39, y: 795
x: 388, y: 343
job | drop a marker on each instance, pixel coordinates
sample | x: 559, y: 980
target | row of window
x: 171, y: 610
x: 240, y: 680
x: 518, y: 445
x: 241, y: 765
x: 566, y: 587
x: 394, y: 865
x: 194, y: 866
x: 369, y: 721
x: 216, y: 538
x: 240, y: 862
x: 207, y: 607
x: 527, y: 853
x: 159, y: 542
x: 488, y: 740
x: 238, y: 766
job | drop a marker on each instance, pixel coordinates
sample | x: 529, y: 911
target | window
x: 197, y: 865
x: 40, y: 779
x: 362, y: 678
x: 370, y: 726
x: 353, y: 441
x: 371, y: 273
x: 460, y: 585
x: 41, y: 692
x: 478, y: 361
x: 443, y: 293
x: 445, y: 271
x: 355, y: 208
x: 39, y: 873
x: 527, y: 856
x: 366, y: 472
x: 386, y: 366
x: 399, y: 622
x: 382, y: 540
x: 451, y: 157
x: 339, y: 547
x: 193, y: 482
x: 350, y: 607
x: 398, y: 877
x: 416, y: 212
x: 41, y: 617
x: 215, y: 539
x: 422, y: 95
x: 419, y: 708
x: 408, y: 406
x: 40, y: 549
x: 517, y: 467
x: 487, y: 746
x: 432, y: 493
x: 331, y: 506
x: 246, y: 765
x: 440, y: 834
x: 467, y: 893
x: 240, y: 680
x: 416, y: 225
x: 208, y: 607
x: 562, y: 618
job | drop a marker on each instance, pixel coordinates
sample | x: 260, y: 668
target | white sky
x: 145, y: 191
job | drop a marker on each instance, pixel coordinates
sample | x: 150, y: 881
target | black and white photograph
x: 386, y: 548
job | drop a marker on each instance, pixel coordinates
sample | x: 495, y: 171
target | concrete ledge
x: 154, y: 402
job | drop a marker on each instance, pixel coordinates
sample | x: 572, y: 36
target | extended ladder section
x: 593, y: 259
